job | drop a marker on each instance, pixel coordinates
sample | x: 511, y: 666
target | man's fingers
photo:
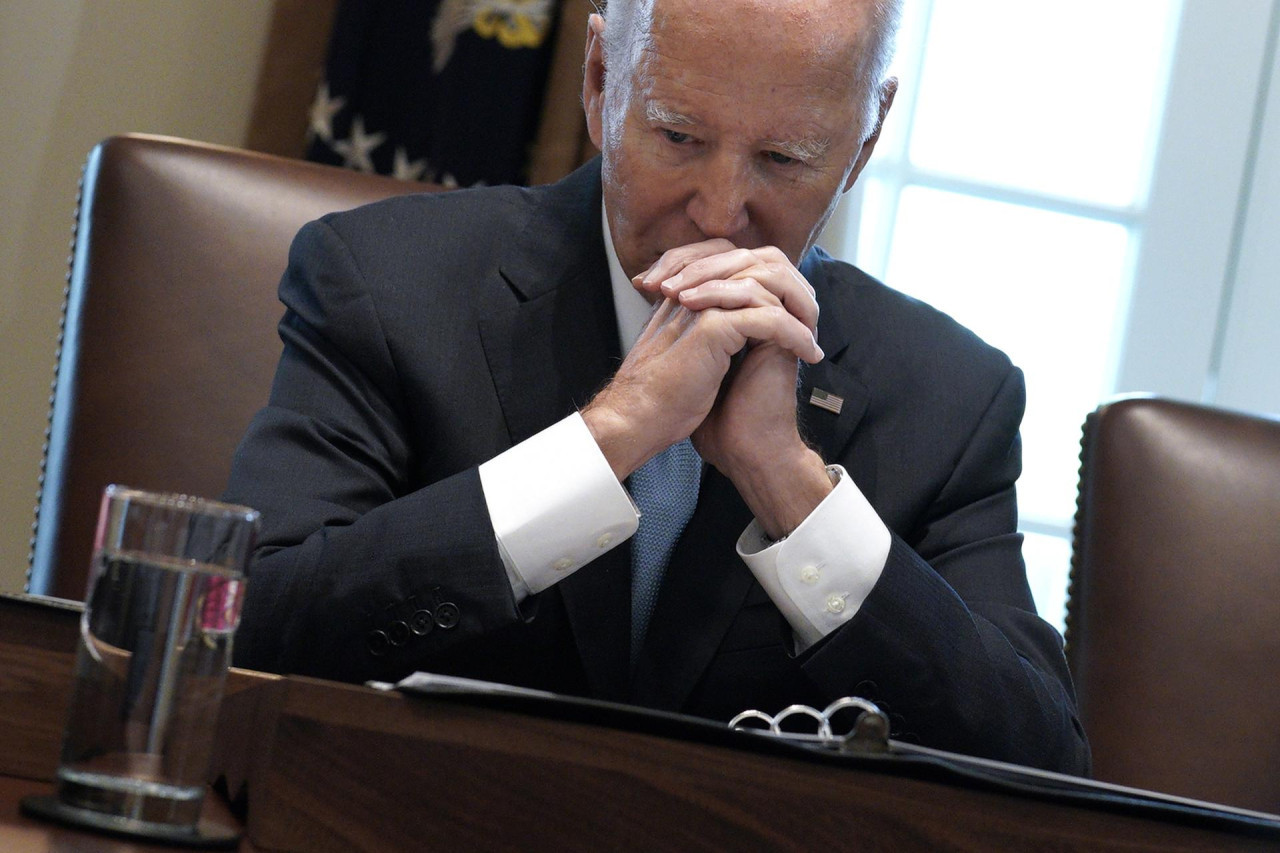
x: 748, y: 291
x: 727, y: 328
x: 674, y: 260
x: 668, y: 320
x: 707, y: 275
x: 719, y: 266
x: 689, y: 270
x: 728, y: 294
x: 766, y: 267
x: 771, y: 323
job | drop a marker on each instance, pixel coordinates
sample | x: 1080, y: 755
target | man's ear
x: 593, y: 80
x: 887, y: 91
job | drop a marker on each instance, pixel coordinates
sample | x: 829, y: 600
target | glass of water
x: 164, y: 600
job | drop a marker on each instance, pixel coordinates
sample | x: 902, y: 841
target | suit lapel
x: 551, y: 341
x: 548, y: 329
x: 838, y: 334
x: 549, y: 354
x: 833, y: 433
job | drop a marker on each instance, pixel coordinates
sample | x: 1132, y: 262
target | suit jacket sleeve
x: 349, y: 546
x: 949, y: 640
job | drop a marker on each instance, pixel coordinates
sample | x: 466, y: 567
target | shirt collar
x: 630, y: 306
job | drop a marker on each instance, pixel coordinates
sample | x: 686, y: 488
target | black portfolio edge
x: 901, y: 759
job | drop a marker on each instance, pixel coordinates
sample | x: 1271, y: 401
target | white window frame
x: 1202, y: 318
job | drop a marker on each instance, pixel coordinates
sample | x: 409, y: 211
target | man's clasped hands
x: 718, y: 362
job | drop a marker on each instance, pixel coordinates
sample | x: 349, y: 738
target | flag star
x: 405, y: 169
x: 356, y: 150
x: 322, y: 112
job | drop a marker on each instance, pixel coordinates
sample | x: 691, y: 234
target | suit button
x: 399, y: 633
x: 835, y: 604
x: 810, y: 574
x: 421, y: 622
x: 562, y: 564
x: 447, y: 615
x: 378, y: 643
x: 605, y: 540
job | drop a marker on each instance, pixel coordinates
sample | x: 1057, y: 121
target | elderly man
x: 475, y: 385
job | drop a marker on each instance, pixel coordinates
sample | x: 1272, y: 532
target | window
x: 1032, y: 181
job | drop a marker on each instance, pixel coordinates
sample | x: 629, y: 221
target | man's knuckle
x: 786, y: 272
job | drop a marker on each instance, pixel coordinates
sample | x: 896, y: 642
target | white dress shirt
x: 556, y: 505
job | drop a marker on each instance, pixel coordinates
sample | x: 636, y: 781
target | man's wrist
x: 615, y: 438
x: 782, y: 493
x: 823, y: 572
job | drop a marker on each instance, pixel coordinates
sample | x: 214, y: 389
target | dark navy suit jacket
x: 426, y: 334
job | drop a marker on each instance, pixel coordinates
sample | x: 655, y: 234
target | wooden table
x: 325, y: 766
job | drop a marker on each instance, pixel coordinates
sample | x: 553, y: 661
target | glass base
x: 130, y: 792
x: 204, y: 834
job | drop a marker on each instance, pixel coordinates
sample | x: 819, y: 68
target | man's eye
x: 780, y: 158
x: 675, y: 136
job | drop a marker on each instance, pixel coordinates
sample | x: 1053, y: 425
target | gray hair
x: 625, y: 36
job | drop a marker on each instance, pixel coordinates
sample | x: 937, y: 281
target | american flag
x: 826, y: 400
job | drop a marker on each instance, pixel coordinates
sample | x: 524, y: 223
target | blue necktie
x: 665, y: 490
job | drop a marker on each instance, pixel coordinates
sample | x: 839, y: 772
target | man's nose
x: 719, y: 206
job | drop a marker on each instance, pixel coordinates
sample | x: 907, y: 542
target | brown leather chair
x: 1173, y: 622
x: 169, y: 342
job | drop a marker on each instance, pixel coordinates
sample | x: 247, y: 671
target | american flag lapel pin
x: 826, y: 400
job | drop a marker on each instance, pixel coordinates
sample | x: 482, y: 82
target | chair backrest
x: 1173, y: 626
x: 169, y: 344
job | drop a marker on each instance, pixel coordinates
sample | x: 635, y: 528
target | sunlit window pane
x: 1048, y: 561
x: 1044, y: 287
x: 878, y: 199
x: 1059, y: 98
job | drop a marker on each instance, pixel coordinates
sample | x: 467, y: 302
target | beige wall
x: 71, y: 73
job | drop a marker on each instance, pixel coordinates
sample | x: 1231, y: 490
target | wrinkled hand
x: 715, y: 273
x: 750, y: 434
x: 669, y: 382
x: 680, y: 378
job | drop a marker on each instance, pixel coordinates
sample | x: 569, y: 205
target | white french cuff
x: 820, y: 574
x: 555, y: 505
